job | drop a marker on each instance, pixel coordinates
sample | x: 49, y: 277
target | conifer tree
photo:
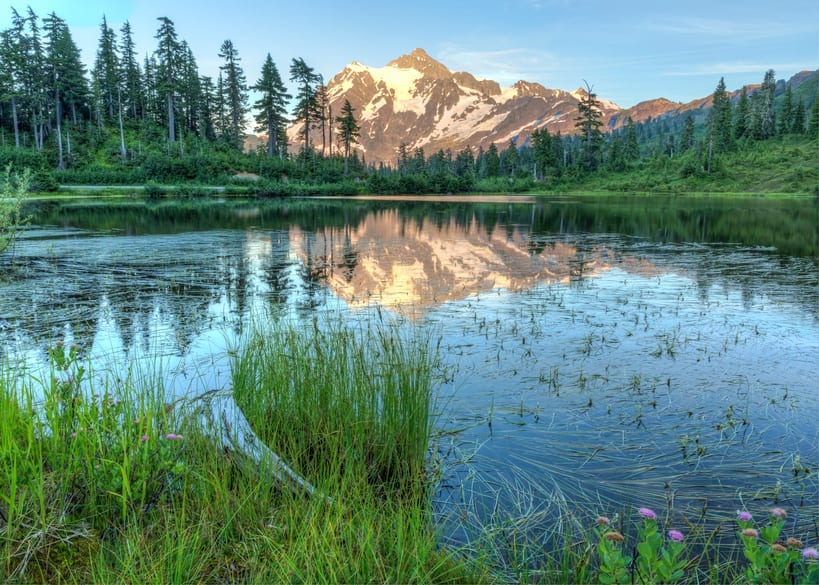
x: 631, y: 148
x: 403, y: 158
x: 587, y: 123
x: 305, y: 107
x: 272, y: 107
x: 347, y: 131
x: 191, y: 94
x: 813, y: 123
x: 798, y: 125
x: 687, y: 137
x: 106, y: 71
x: 35, y: 79
x: 509, y: 159
x: 12, y: 64
x: 719, y: 121
x: 741, y: 115
x: 784, y: 122
x: 167, y: 71
x: 766, y: 105
x: 206, y: 108
x: 65, y: 75
x: 491, y: 161
x: 322, y: 114
x: 544, y: 154
x: 235, y: 95
x: 132, y: 95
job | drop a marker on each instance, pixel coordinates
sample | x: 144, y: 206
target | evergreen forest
x: 157, y: 122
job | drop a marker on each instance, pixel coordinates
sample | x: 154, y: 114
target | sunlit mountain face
x: 417, y: 102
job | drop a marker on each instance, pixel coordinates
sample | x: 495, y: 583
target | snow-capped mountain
x: 417, y: 101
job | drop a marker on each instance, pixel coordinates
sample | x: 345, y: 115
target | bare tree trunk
x: 271, y: 140
x: 122, y: 150
x: 225, y: 422
x: 60, y: 161
x: 171, y: 121
x: 16, y: 122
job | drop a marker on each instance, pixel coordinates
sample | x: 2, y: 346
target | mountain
x: 415, y: 100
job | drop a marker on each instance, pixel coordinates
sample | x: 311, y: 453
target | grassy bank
x: 111, y: 486
x: 108, y: 484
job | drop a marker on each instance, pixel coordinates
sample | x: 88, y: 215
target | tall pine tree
x: 234, y: 85
x: 587, y: 123
x: 347, y: 132
x: 167, y: 71
x: 271, y: 108
x: 305, y: 108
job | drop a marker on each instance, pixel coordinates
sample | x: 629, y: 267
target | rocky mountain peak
x: 420, y: 60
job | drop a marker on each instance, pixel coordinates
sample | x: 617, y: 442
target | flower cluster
x: 771, y: 558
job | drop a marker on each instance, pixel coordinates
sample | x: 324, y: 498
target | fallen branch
x: 223, y: 420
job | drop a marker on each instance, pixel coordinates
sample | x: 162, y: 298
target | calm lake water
x: 598, y: 353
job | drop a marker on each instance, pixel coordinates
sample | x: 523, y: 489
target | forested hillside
x: 130, y: 121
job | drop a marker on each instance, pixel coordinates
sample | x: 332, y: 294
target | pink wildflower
x: 745, y: 516
x: 778, y: 513
x: 676, y: 535
x: 647, y: 513
x: 143, y: 438
x: 810, y: 553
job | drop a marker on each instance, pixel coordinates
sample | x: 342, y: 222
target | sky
x: 627, y: 52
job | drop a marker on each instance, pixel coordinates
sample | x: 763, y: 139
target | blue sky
x: 628, y: 51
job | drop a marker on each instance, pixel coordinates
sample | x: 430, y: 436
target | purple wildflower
x: 171, y: 436
x: 778, y: 513
x: 143, y: 438
x: 745, y: 516
x: 647, y: 513
x: 810, y: 553
x: 676, y: 535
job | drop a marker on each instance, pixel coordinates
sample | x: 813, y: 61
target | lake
x: 597, y: 353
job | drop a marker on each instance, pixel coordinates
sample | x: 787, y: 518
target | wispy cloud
x: 505, y: 66
x: 724, y: 28
x: 716, y: 69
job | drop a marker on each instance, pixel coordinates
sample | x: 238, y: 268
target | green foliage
x: 12, y: 195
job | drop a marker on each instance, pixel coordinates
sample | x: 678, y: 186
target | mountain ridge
x: 417, y: 102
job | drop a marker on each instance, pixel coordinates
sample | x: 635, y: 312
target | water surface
x: 597, y: 353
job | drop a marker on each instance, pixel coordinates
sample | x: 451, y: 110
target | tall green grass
x: 101, y: 481
x: 342, y: 403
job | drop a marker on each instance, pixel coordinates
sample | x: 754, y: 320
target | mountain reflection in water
x: 404, y: 263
